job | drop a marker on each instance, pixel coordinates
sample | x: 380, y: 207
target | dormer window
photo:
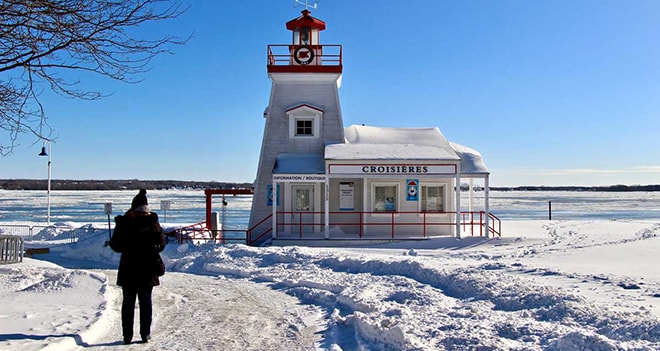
x: 304, y: 127
x: 304, y: 121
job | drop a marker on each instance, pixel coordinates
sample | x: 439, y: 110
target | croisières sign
x: 392, y: 169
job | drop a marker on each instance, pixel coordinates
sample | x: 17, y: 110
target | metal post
x: 49, y: 177
x: 549, y: 210
x: 44, y: 153
x: 224, y: 212
x: 109, y: 229
x: 209, y: 205
x: 108, y: 210
x: 470, y: 207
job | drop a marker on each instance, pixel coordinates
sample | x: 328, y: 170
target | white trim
x: 304, y: 78
x: 486, y: 209
x: 457, y: 186
x: 470, y: 204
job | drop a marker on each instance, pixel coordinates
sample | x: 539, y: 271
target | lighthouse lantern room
x: 305, y: 53
x: 305, y: 29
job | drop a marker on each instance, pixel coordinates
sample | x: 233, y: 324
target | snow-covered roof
x: 471, y: 160
x: 299, y: 163
x: 380, y: 143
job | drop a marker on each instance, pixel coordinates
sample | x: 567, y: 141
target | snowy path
x: 193, y: 312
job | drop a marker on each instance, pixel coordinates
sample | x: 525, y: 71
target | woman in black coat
x: 139, y: 238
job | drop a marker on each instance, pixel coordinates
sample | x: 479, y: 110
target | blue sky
x: 550, y: 92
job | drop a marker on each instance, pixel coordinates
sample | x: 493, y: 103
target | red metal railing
x: 197, y: 231
x: 300, y: 221
x: 493, y: 222
x: 327, y: 58
x: 491, y: 227
x: 264, y: 226
x: 200, y: 232
x: 256, y: 233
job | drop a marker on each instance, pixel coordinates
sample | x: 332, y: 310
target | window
x: 304, y: 35
x: 433, y: 198
x: 385, y: 198
x: 303, y: 198
x: 305, y: 122
x: 304, y: 127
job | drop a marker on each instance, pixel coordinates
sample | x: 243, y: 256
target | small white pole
x: 486, y: 209
x: 458, y: 201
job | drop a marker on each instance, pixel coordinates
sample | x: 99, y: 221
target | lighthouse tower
x: 302, y: 117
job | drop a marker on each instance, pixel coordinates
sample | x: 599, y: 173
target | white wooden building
x: 317, y: 179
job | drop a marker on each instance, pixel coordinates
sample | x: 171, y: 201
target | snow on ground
x: 546, y: 285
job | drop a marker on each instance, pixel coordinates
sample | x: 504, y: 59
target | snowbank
x: 554, y: 285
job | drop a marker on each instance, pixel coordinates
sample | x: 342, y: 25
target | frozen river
x: 188, y: 206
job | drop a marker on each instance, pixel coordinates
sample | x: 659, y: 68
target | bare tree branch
x: 40, y: 39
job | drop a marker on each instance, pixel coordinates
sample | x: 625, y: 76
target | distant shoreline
x: 134, y: 184
x: 608, y: 188
x: 125, y: 184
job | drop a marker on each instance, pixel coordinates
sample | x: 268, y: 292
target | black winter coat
x: 139, y: 238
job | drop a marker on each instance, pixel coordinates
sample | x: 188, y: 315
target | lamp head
x: 43, y: 151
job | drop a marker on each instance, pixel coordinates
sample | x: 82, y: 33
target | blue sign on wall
x: 270, y: 195
x: 412, y: 189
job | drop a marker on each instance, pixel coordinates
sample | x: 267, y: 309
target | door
x: 302, y: 208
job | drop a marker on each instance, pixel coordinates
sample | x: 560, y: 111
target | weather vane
x: 306, y: 3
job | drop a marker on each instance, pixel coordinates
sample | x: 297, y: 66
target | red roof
x: 306, y: 20
x: 304, y: 105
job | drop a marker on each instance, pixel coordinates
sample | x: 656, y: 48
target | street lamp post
x: 44, y: 153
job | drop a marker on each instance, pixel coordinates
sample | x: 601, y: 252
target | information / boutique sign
x: 392, y: 169
x: 299, y: 178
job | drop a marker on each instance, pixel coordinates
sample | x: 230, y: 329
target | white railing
x: 65, y: 234
x: 11, y: 249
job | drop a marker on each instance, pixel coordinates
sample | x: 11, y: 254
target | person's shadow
x: 76, y: 337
